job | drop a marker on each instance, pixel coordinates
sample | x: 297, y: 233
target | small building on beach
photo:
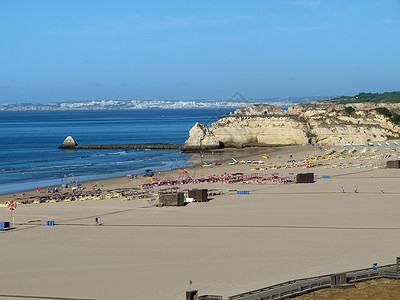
x: 199, y: 195
x: 305, y: 178
x: 172, y: 199
x: 393, y: 164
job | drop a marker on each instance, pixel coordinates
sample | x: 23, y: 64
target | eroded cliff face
x: 201, y: 137
x: 333, y: 127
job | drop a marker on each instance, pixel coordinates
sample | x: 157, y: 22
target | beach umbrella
x: 396, y: 143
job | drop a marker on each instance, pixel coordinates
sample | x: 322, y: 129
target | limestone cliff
x: 322, y: 126
x: 200, y: 137
x: 259, y: 110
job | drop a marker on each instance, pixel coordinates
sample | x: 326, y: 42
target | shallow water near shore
x: 30, y: 158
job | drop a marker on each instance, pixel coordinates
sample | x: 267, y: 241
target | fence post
x: 398, y: 264
x: 338, y: 279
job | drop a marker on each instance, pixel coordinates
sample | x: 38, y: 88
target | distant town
x: 152, y: 104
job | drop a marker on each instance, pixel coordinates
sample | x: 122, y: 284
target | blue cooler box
x: 4, y: 225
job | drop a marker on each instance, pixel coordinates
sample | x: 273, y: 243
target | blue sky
x: 83, y: 50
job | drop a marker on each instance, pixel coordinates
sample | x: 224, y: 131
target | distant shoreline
x: 231, y: 103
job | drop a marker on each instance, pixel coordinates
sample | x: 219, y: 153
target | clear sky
x: 102, y: 49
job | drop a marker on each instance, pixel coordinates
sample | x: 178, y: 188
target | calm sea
x: 30, y: 158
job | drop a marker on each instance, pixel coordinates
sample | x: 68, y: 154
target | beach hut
x: 305, y: 178
x: 393, y: 164
x: 172, y: 199
x: 199, y: 195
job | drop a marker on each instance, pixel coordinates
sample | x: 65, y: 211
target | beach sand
x: 232, y: 244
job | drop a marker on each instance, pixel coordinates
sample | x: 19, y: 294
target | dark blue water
x: 30, y: 158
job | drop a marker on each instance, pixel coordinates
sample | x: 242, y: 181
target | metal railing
x: 306, y: 285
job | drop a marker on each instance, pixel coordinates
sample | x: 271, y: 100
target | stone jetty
x: 70, y: 143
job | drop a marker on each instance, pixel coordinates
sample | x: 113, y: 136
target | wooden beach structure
x: 172, y: 199
x: 393, y: 164
x: 199, y: 195
x: 305, y: 178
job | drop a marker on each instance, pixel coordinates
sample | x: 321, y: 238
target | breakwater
x: 155, y: 146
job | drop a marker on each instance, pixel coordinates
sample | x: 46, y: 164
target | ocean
x: 29, y: 140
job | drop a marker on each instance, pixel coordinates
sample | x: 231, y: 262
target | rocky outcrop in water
x: 69, y: 142
x: 317, y: 126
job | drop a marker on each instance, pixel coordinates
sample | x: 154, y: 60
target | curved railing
x: 306, y: 285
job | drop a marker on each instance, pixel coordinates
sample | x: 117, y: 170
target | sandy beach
x: 196, y: 159
x: 232, y: 244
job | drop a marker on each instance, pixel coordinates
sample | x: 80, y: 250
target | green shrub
x: 396, y: 118
x: 384, y: 111
x: 349, y: 110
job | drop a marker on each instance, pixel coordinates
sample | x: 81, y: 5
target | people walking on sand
x: 342, y: 190
x: 97, y: 220
x: 355, y: 190
x: 382, y: 191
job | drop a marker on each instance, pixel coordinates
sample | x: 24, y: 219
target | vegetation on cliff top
x: 395, y: 118
x: 389, y: 97
x: 386, y: 97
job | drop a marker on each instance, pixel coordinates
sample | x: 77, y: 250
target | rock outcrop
x: 321, y: 126
x: 69, y: 142
x: 201, y: 138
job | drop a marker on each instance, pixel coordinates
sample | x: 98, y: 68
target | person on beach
x: 382, y: 191
x: 355, y: 190
x: 97, y: 220
x: 342, y: 190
